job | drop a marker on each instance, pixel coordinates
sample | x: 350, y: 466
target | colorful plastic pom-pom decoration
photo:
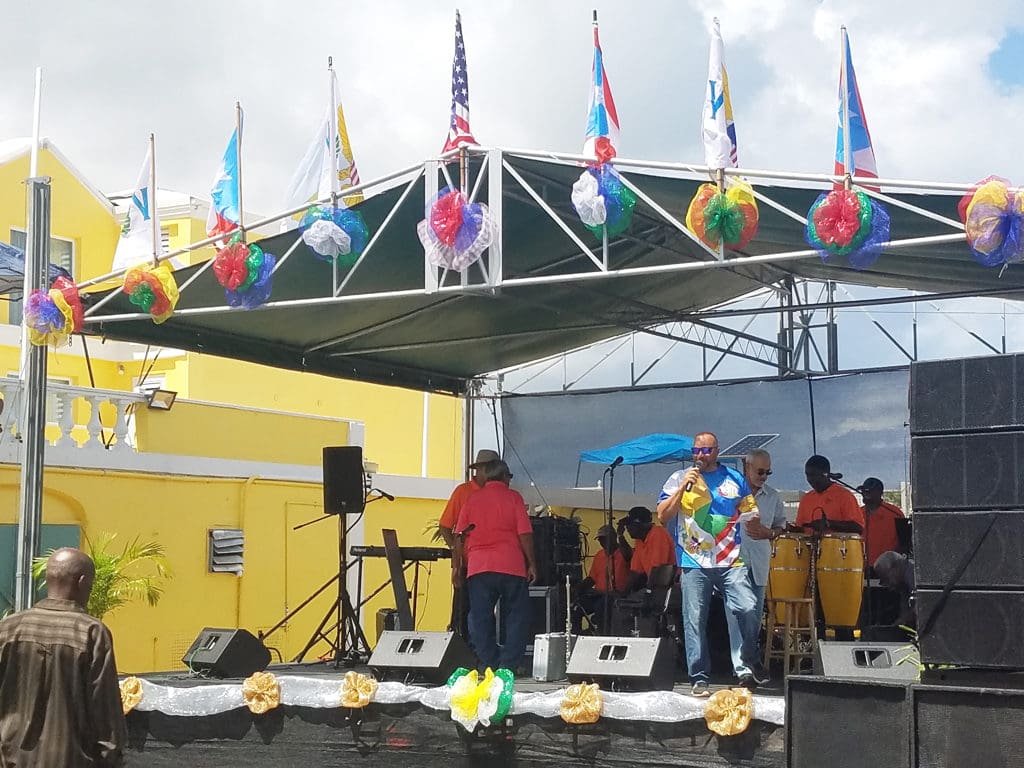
x: 246, y: 273
x: 334, y: 233
x: 455, y: 232
x: 730, y: 217
x: 846, y: 222
x: 602, y: 200
x: 993, y: 218
x: 52, y: 316
x: 153, y: 290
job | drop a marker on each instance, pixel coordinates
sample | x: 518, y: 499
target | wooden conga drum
x: 789, y: 570
x: 840, y: 574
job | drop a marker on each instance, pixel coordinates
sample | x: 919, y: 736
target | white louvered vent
x: 227, y: 547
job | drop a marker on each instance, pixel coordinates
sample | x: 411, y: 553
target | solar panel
x: 745, y: 445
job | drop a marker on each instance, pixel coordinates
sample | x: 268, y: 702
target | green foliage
x: 137, y: 572
x: 434, y: 530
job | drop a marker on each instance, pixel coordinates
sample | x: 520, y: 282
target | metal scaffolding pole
x: 32, y: 423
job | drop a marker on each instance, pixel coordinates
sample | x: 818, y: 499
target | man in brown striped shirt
x: 60, y: 704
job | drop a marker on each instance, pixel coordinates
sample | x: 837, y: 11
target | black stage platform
x: 414, y: 735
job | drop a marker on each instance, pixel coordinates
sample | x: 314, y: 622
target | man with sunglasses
x: 755, y: 545
x: 703, y: 508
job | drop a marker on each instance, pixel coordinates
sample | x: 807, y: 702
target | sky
x: 942, y: 87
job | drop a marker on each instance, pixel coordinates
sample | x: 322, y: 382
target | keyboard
x: 408, y: 553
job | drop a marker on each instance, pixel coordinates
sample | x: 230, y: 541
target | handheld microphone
x: 697, y: 464
x: 385, y: 494
x: 467, y: 529
x: 835, y: 475
x: 616, y: 463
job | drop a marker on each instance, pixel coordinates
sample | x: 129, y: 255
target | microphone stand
x: 609, y: 570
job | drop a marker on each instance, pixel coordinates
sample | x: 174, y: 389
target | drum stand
x: 793, y: 631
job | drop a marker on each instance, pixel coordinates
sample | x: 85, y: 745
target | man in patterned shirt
x: 702, y: 508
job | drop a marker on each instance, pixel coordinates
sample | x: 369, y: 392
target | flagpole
x: 463, y: 159
x: 33, y: 164
x: 333, y: 131
x: 844, y: 78
x: 33, y: 168
x: 153, y: 218
x: 238, y: 160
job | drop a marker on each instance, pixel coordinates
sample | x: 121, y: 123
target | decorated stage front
x: 316, y: 715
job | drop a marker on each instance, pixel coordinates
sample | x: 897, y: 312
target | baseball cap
x: 484, y: 456
x: 640, y: 515
x: 871, y: 482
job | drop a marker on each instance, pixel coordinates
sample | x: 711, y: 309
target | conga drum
x: 789, y: 570
x: 840, y: 573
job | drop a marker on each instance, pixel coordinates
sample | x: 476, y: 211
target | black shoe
x: 748, y: 682
x: 760, y: 674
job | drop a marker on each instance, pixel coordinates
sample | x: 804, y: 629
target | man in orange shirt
x: 594, y: 588
x: 879, y: 520
x: 652, y: 546
x: 446, y: 526
x: 827, y: 506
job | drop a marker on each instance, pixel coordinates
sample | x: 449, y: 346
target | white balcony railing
x: 73, y: 415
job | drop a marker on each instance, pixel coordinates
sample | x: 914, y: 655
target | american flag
x: 458, y: 130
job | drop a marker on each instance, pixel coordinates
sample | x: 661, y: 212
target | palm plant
x: 137, y: 572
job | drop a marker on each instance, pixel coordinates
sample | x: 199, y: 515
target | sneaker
x: 700, y: 689
x: 760, y: 674
x: 748, y: 682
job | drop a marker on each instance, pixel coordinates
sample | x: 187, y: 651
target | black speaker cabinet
x: 344, y: 492
x: 623, y: 663
x: 846, y: 723
x: 966, y: 395
x: 976, y: 471
x: 976, y: 628
x: 424, y: 656
x: 226, y: 653
x: 957, y: 726
x: 865, y: 661
x: 942, y: 540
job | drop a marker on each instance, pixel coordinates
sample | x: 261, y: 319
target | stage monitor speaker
x: 865, y: 661
x: 344, y: 489
x: 623, y: 663
x: 226, y: 653
x: 958, y: 726
x: 429, y: 657
x: 976, y: 628
x: 977, y: 471
x: 966, y: 395
x: 846, y: 723
x: 941, y: 541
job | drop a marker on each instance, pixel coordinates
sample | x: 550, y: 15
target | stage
x: 183, y: 720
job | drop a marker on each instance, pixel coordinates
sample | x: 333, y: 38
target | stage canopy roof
x: 543, y: 295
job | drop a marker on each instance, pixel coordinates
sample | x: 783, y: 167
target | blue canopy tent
x: 650, y: 449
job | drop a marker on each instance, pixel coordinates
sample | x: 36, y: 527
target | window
x: 62, y: 253
x: 165, y: 239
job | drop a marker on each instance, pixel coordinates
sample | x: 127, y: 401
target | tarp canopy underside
x: 440, y: 341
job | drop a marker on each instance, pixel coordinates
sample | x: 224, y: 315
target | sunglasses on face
x: 763, y: 472
x: 704, y: 451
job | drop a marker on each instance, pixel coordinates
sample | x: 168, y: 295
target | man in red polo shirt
x: 879, y: 520
x: 827, y: 506
x: 494, y: 539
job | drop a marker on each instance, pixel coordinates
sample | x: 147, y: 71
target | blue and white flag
x: 135, y: 245
x: 718, y: 128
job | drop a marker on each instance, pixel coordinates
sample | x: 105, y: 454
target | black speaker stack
x: 556, y: 544
x: 967, y: 475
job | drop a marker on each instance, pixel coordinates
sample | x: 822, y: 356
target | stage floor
x: 413, y: 735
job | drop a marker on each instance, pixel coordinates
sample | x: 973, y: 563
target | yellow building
x: 240, y: 450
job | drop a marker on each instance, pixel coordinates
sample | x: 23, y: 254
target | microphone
x: 835, y: 475
x: 385, y: 494
x: 616, y: 463
x: 467, y: 529
x: 697, y: 464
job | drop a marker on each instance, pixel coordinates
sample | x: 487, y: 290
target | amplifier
x: 942, y: 540
x: 968, y: 471
x: 967, y: 395
x: 976, y: 628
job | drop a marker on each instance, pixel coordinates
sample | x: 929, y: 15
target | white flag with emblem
x: 136, y: 243
x: 717, y: 127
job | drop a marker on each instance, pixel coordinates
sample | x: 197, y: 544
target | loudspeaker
x: 976, y: 471
x: 965, y: 395
x: 958, y: 726
x: 344, y: 492
x: 425, y: 656
x: 556, y: 545
x: 846, y: 723
x: 623, y: 663
x: 976, y: 628
x: 865, y: 661
x: 226, y: 653
x: 941, y: 541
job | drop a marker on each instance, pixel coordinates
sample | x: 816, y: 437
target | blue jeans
x: 735, y: 586
x: 735, y: 637
x: 485, y: 592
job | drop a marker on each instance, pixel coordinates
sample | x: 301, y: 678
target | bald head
x: 69, y: 575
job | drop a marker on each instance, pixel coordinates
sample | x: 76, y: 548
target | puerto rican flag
x: 862, y: 153
x: 224, y: 214
x: 602, y: 136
